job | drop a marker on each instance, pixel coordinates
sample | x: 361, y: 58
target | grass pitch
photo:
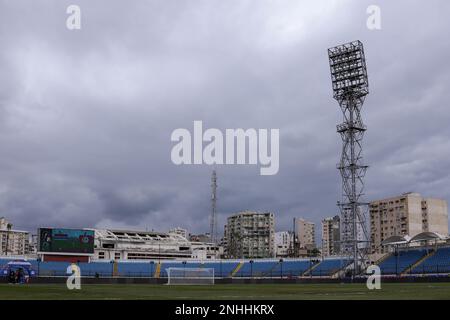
x: 388, y: 291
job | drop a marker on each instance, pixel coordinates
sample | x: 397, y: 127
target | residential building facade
x: 284, y: 242
x: 13, y: 242
x: 331, y: 236
x: 305, y: 233
x: 250, y: 234
x: 408, y: 214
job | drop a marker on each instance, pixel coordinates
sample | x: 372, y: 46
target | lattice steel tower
x: 213, y: 218
x: 350, y: 87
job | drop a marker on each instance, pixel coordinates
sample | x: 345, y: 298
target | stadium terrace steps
x: 254, y: 268
x: 437, y: 263
x: 425, y: 257
x: 292, y: 268
x: 310, y: 269
x: 236, y: 270
x: 412, y: 261
x: 273, y: 270
x: 398, y: 263
x: 329, y: 267
x: 383, y: 258
x: 157, y: 270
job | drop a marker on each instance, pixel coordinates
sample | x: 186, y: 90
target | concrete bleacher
x: 437, y: 262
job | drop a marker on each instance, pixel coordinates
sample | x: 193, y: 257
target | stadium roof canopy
x: 426, y: 236
x: 396, y: 240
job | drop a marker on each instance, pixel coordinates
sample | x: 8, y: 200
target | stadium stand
x: 401, y: 261
x: 256, y: 268
x: 222, y: 269
x: 292, y: 268
x: 329, y: 267
x: 54, y: 269
x: 101, y: 269
x: 438, y: 262
x: 421, y: 261
x: 135, y: 269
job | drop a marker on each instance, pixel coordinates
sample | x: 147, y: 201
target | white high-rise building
x: 283, y: 243
x: 13, y: 242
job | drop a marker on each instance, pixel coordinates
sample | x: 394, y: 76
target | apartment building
x: 408, y: 214
x: 331, y: 236
x: 305, y: 233
x: 13, y: 242
x: 250, y: 234
x: 284, y: 243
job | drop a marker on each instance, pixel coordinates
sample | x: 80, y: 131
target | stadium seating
x: 135, y: 269
x: 291, y: 268
x: 400, y: 262
x: 102, y: 269
x: 174, y: 264
x: 328, y: 267
x: 54, y: 269
x: 221, y: 269
x: 439, y: 262
x: 255, y: 269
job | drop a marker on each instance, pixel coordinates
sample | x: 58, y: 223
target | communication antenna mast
x: 350, y: 87
x: 213, y: 218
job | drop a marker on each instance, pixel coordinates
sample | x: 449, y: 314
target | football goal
x: 190, y: 276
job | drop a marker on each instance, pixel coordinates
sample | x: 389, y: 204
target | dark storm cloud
x: 86, y: 116
x: 132, y: 206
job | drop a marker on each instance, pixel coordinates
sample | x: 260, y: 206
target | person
x: 21, y: 276
x: 17, y: 276
x: 11, y: 276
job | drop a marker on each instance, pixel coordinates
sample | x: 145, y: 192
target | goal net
x: 190, y: 276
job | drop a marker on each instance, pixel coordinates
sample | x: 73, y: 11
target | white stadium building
x: 149, y: 245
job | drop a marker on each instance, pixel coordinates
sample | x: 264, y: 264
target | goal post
x: 190, y: 276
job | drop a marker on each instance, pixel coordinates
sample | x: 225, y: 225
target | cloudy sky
x: 86, y: 115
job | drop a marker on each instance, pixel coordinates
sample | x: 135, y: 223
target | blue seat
x: 103, y: 269
x: 256, y: 269
x: 439, y: 262
x: 136, y: 269
x: 222, y: 269
x: 53, y: 268
x: 291, y: 268
x: 328, y: 267
x: 398, y: 263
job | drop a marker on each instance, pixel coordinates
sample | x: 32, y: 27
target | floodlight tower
x: 350, y: 87
x: 213, y: 218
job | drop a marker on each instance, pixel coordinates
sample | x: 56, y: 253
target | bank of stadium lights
x: 350, y: 87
